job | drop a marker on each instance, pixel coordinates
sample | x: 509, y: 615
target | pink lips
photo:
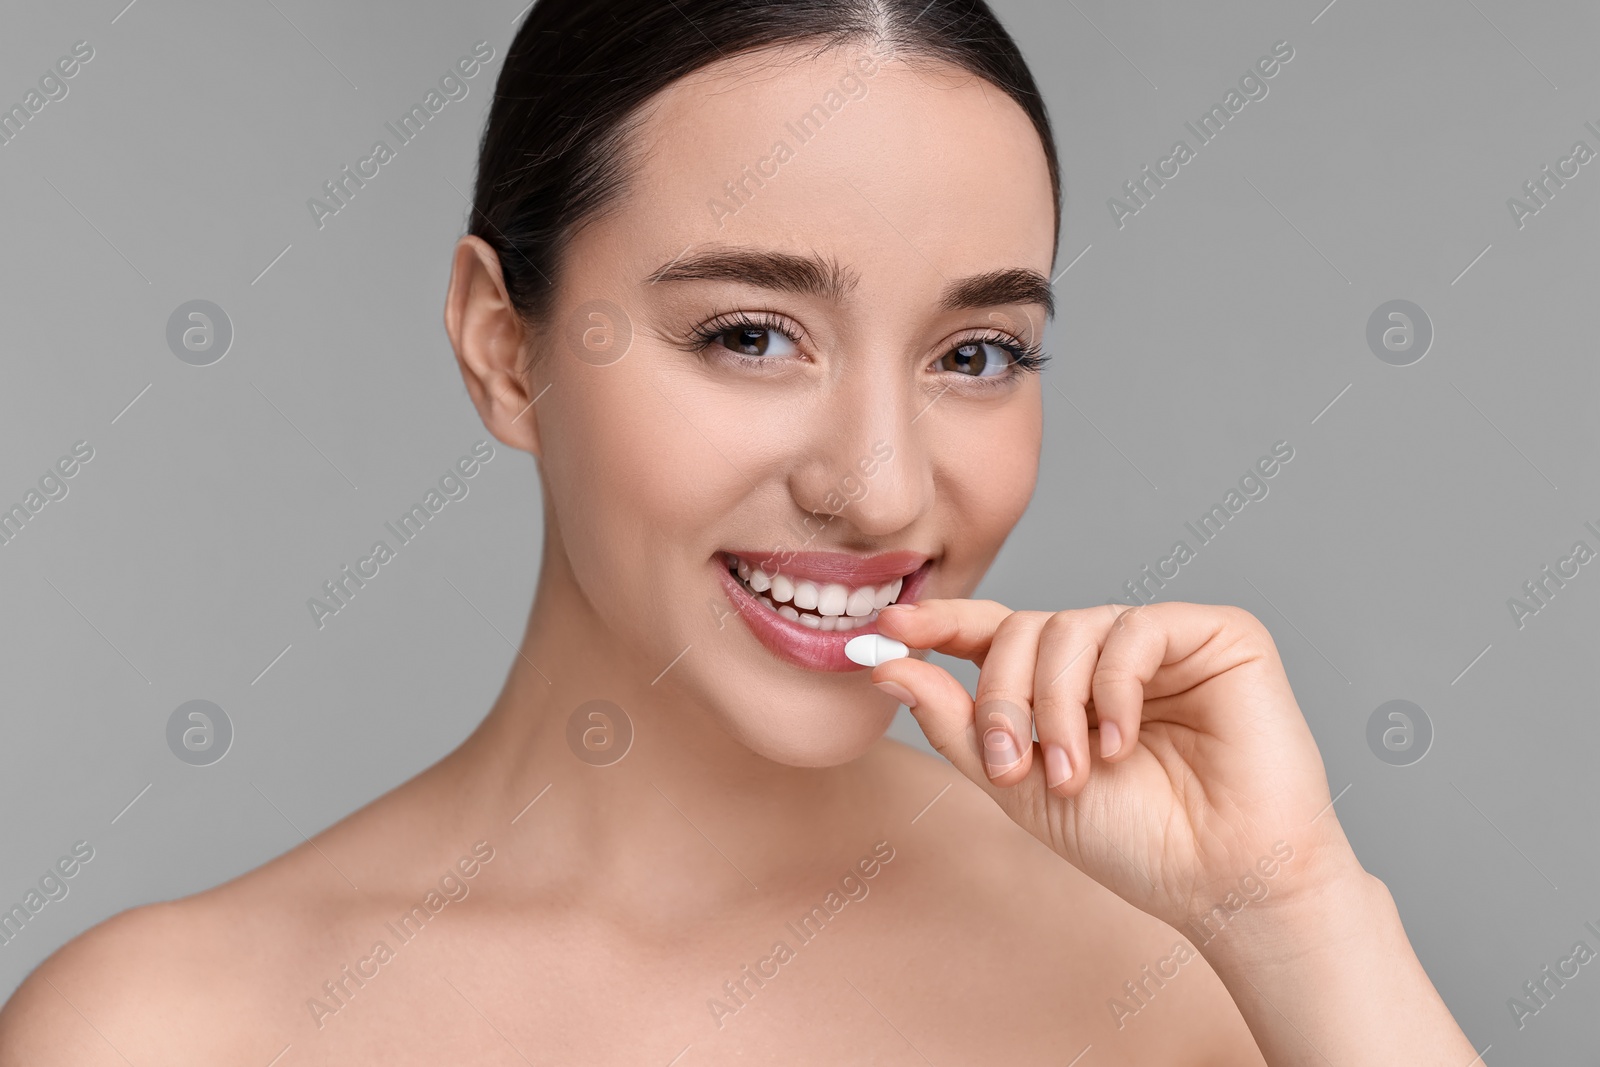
x: 818, y: 650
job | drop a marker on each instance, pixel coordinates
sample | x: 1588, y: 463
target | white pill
x: 869, y: 650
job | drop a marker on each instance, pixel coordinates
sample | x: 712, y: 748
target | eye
x: 759, y: 341
x: 978, y: 359
x: 753, y: 339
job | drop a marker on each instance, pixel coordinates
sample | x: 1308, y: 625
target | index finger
x: 960, y: 628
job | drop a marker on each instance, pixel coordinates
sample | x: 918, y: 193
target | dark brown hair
x: 554, y: 152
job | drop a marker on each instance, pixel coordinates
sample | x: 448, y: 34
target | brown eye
x: 976, y: 359
x: 753, y: 341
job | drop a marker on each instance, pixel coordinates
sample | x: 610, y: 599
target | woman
x: 760, y: 287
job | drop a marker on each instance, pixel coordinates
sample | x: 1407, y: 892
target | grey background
x: 1229, y: 314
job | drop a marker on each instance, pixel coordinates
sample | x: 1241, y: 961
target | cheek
x: 633, y: 480
x: 992, y: 467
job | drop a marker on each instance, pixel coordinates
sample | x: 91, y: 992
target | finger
x: 942, y: 708
x: 1202, y: 641
x: 1139, y: 642
x: 1069, y: 648
x: 1164, y: 649
x: 1003, y: 717
x: 944, y: 711
x: 961, y: 628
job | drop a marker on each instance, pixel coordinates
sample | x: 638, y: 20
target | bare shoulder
x: 183, y: 981
x: 121, y: 991
x: 1138, y: 990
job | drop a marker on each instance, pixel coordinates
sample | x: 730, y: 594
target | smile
x: 807, y: 609
x: 831, y: 606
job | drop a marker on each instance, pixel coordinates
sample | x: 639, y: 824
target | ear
x: 489, y: 339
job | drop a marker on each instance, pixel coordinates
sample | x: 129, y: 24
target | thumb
x: 945, y: 712
x: 942, y: 708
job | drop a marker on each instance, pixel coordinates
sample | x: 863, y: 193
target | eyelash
x: 1025, y: 358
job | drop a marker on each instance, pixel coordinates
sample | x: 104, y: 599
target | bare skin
x: 563, y: 956
x: 594, y: 913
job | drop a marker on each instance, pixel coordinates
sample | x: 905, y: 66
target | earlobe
x: 489, y: 339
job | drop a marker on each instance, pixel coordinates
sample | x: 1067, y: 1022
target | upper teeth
x: 831, y: 598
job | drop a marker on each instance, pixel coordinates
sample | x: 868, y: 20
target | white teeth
x: 831, y: 599
x: 814, y: 621
x: 805, y: 594
x: 831, y: 606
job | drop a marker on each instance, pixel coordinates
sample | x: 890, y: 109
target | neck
x: 678, y: 795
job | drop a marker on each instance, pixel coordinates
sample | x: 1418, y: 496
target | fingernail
x: 899, y: 692
x: 899, y: 607
x: 1057, y: 768
x: 999, y: 751
x: 1110, y: 739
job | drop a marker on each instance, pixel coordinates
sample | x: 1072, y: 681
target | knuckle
x: 1240, y: 616
x: 1113, y: 674
x: 1022, y: 622
x: 1134, y: 616
x: 1247, y: 625
x: 1058, y: 712
x: 1008, y: 703
x: 952, y: 742
x: 1068, y: 624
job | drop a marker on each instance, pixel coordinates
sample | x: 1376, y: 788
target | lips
x: 804, y: 607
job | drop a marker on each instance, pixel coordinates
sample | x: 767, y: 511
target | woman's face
x: 792, y: 344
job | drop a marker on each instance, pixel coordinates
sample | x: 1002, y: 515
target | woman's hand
x: 1173, y: 765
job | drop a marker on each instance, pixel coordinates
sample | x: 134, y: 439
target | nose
x: 866, y: 470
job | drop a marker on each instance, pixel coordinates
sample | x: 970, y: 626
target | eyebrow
x: 815, y: 276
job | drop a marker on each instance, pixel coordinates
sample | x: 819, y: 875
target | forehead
x: 873, y: 158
